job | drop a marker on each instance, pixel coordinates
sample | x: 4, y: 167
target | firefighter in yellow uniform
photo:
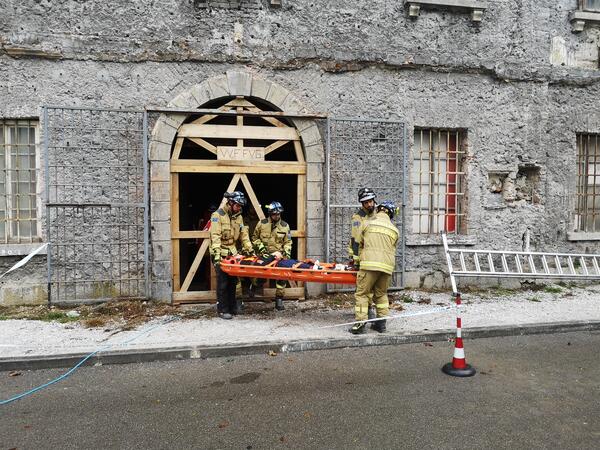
x: 377, y: 241
x: 272, y: 236
x: 228, y: 235
x: 366, y: 196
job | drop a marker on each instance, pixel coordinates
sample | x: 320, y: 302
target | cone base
x: 468, y: 371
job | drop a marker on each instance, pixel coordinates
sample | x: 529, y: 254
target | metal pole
x: 403, y: 238
x: 47, y: 197
x: 327, y: 194
x: 146, y: 156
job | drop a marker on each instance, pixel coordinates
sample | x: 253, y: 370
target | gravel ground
x: 300, y: 321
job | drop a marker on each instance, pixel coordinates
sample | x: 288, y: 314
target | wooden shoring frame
x: 201, y: 133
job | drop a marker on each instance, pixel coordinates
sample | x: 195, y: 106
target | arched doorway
x: 243, y: 150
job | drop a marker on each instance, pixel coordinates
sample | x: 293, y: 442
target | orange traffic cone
x: 458, y: 367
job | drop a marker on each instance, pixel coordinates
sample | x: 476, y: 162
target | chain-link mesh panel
x: 96, y: 213
x: 363, y: 153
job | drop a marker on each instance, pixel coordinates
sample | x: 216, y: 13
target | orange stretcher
x: 326, y: 272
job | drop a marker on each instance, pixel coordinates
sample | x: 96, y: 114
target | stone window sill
x: 583, y: 236
x: 476, y: 7
x: 421, y: 240
x: 579, y: 19
x: 21, y: 249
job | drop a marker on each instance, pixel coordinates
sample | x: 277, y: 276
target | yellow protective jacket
x: 272, y: 237
x: 377, y: 241
x: 358, y: 218
x: 227, y: 234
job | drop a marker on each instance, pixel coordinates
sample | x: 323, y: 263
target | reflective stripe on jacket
x: 377, y: 241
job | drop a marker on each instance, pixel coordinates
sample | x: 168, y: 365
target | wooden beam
x: 299, y: 152
x: 206, y: 145
x: 274, y: 146
x: 177, y: 149
x: 238, y: 132
x: 196, y: 234
x: 252, y: 195
x: 211, y: 296
x: 225, y: 166
x: 175, y: 227
x: 194, y: 267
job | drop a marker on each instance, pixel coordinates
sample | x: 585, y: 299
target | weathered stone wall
x: 520, y: 82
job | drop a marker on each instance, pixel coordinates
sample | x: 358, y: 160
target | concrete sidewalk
x: 27, y: 344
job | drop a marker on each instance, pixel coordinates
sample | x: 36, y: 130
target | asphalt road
x: 530, y: 392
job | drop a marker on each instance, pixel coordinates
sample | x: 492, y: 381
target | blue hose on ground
x: 85, y: 358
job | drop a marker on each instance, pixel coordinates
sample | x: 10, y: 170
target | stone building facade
x: 500, y: 101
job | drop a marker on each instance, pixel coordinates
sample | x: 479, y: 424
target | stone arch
x: 232, y: 83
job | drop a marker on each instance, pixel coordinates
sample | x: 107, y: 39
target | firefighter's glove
x: 248, y: 252
x: 217, y: 261
x: 277, y: 255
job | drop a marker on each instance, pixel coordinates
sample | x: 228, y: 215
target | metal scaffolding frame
x: 363, y: 152
x: 96, y: 180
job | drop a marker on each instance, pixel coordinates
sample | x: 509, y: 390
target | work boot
x: 359, y: 328
x: 379, y: 326
x: 279, y: 304
x: 225, y: 315
x: 238, y: 308
x: 251, y: 291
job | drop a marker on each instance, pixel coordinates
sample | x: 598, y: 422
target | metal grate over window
x: 18, y: 181
x: 587, y: 214
x: 591, y: 5
x: 438, y: 181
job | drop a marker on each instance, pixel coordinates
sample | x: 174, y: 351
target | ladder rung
x: 463, y: 266
x: 491, y: 263
x: 504, y: 263
x: 518, y: 262
x: 531, y: 264
x: 558, y: 265
x: 477, y: 266
x: 571, y: 266
x: 595, y: 263
x: 545, y: 265
x: 584, y: 266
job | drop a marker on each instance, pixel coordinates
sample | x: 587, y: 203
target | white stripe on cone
x: 459, y: 353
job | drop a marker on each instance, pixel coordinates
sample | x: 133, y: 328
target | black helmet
x: 274, y: 208
x: 389, y: 207
x: 365, y: 194
x: 236, y: 197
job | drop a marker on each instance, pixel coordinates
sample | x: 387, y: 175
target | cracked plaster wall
x: 501, y: 80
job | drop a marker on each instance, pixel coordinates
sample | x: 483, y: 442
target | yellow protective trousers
x: 371, y: 282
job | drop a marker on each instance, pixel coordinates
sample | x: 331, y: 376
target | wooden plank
x: 206, y: 145
x: 204, y: 119
x: 175, y: 227
x: 274, y: 146
x: 299, y: 152
x: 177, y: 149
x: 301, y: 204
x: 252, y: 196
x: 195, y: 264
x: 238, y: 132
x: 195, y: 234
x: 211, y: 296
x: 223, y: 166
x: 271, y: 120
x: 195, y: 296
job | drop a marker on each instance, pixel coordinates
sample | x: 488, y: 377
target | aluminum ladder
x: 464, y: 262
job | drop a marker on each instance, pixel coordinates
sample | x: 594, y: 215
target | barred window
x: 438, y: 181
x: 591, y: 5
x: 587, y: 215
x: 18, y: 181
